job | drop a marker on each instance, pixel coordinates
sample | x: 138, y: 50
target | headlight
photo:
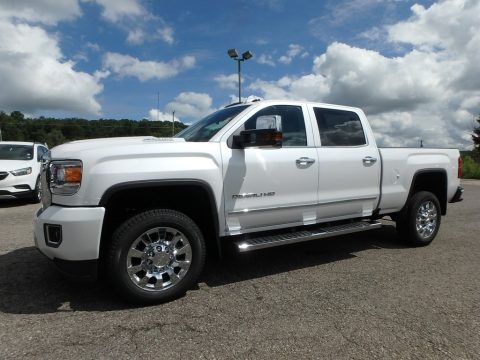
x: 20, y: 172
x: 65, y: 177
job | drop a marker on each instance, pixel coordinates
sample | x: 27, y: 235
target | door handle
x: 368, y: 160
x: 304, y: 161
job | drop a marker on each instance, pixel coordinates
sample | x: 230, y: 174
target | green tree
x: 54, y: 138
x: 471, y: 169
x: 17, y: 115
x: 476, y: 140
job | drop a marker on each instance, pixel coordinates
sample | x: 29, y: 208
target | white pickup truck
x: 145, y: 211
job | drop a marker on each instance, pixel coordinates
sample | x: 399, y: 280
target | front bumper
x: 12, y: 187
x: 13, y: 193
x: 77, y: 251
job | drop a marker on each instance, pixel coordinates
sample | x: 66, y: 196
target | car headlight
x: 23, y: 171
x: 65, y: 176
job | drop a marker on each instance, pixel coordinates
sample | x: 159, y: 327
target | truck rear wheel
x: 156, y: 256
x: 418, y: 223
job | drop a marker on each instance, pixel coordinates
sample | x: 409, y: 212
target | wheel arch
x: 434, y: 181
x: 194, y: 198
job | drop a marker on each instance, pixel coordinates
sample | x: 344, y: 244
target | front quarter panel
x: 146, y: 162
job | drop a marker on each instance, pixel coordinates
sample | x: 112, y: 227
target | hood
x: 9, y: 165
x: 72, y: 148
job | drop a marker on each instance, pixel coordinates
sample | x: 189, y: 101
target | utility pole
x: 173, y: 123
x: 158, y: 106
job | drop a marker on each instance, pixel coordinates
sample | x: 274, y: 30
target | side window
x: 290, y: 118
x: 339, y: 127
x: 40, y: 151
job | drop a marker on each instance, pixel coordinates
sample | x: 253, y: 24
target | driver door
x: 271, y: 187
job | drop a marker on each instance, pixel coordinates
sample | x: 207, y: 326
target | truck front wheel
x: 418, y: 223
x: 156, y: 256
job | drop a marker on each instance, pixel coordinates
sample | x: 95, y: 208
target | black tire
x: 37, y: 193
x: 419, y: 221
x: 157, y: 235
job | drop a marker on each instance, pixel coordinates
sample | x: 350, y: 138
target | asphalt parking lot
x: 360, y: 296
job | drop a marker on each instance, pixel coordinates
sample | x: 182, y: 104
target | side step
x: 305, y: 235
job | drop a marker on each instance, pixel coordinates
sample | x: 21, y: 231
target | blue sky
x: 409, y: 64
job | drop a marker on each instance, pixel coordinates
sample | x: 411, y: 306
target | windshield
x: 16, y: 152
x: 204, y: 129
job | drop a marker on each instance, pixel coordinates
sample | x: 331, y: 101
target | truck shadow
x: 236, y: 267
x: 29, y: 284
x: 9, y: 203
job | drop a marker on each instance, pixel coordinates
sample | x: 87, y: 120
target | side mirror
x: 258, y: 138
x: 269, y: 122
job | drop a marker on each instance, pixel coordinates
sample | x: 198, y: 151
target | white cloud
x: 34, y: 75
x: 126, y: 65
x: 191, y: 105
x: 92, y: 46
x: 136, y: 36
x: 141, y: 26
x: 293, y: 51
x: 47, y: 12
x: 430, y: 93
x: 266, y: 60
x: 166, y: 34
x: 117, y: 10
x: 157, y: 115
x: 229, y: 82
x: 447, y: 24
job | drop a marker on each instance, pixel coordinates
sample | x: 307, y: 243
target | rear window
x: 339, y: 128
x: 16, y: 152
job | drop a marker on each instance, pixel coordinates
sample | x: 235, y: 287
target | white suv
x: 20, y: 165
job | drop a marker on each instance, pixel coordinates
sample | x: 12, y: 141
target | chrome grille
x: 46, y: 195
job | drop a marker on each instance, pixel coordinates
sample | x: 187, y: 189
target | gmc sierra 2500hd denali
x: 145, y: 211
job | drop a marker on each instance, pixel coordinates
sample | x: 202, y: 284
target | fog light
x: 53, y: 235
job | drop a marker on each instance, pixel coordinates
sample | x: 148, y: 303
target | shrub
x: 471, y: 169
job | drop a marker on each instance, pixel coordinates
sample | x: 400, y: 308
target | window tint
x: 339, y: 128
x: 16, y: 152
x: 292, y: 123
x: 204, y: 129
x: 40, y: 151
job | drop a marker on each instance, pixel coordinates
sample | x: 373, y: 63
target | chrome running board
x: 305, y: 235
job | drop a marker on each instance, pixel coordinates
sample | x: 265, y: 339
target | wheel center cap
x: 161, y: 255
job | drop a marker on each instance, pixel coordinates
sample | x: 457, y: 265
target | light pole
x: 245, y: 56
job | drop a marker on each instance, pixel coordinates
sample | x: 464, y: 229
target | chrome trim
x: 369, y: 160
x: 306, y: 235
x: 304, y: 160
x: 246, y: 211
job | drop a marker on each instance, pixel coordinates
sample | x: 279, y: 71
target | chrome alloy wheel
x: 426, y: 220
x: 159, y: 258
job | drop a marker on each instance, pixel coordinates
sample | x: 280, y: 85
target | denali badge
x: 253, y: 195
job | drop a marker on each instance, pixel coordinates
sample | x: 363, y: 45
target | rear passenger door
x: 349, y: 164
